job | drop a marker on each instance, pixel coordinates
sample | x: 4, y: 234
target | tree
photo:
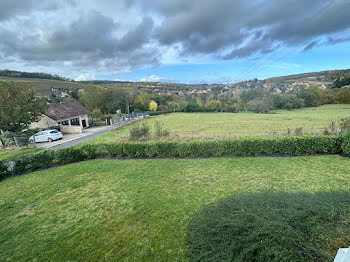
x: 153, y: 106
x: 142, y: 102
x: 97, y: 114
x: 214, y: 104
x: 343, y: 96
x: 94, y: 97
x: 311, y: 96
x: 116, y: 100
x: 261, y: 106
x: 18, y: 107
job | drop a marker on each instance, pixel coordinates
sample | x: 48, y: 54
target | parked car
x: 46, y: 136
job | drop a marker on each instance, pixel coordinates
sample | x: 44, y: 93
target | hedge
x: 197, y: 148
x: 346, y: 144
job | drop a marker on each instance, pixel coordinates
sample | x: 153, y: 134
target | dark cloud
x: 12, y: 8
x: 111, y: 35
x: 90, y: 41
x: 311, y: 45
x: 206, y: 26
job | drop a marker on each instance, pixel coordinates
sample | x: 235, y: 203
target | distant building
x: 72, y: 118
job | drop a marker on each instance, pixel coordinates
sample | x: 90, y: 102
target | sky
x: 184, y: 41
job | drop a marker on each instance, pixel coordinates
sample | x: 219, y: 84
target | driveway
x: 74, y: 139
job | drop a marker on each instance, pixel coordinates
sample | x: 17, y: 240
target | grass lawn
x: 10, y: 154
x: 206, y: 125
x: 140, y: 210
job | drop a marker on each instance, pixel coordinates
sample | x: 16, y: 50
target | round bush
x: 271, y: 227
x: 346, y: 144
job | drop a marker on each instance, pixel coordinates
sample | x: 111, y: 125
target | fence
x: 11, y: 141
x: 117, y: 121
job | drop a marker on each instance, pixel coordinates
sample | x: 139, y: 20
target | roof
x: 65, y: 110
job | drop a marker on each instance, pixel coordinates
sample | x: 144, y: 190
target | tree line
x: 18, y: 74
x: 259, y: 100
x: 19, y: 106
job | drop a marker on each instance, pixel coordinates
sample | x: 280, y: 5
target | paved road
x: 72, y: 140
x: 90, y: 133
x: 80, y: 139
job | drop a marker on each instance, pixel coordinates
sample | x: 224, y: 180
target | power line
x: 264, y: 60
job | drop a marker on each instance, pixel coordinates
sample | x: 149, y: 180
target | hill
x: 44, y: 84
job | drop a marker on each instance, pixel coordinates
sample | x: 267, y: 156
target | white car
x: 46, y: 136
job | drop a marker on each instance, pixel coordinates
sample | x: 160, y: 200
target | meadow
x: 245, y: 124
x: 6, y: 154
x: 150, y: 210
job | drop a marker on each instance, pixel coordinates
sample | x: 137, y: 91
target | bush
x: 344, y: 125
x: 160, y: 130
x: 69, y: 155
x: 271, y: 227
x: 140, y: 132
x: 346, y: 144
x: 200, y: 148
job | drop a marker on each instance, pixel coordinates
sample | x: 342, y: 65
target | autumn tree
x: 153, y: 106
x: 18, y: 107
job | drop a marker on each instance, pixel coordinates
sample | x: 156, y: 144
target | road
x: 89, y: 133
x: 75, y: 139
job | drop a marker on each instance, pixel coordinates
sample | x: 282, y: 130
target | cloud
x: 311, y: 45
x: 85, y: 77
x: 90, y: 41
x: 10, y: 8
x: 72, y: 36
x: 122, y: 72
x: 151, y: 78
x: 206, y: 26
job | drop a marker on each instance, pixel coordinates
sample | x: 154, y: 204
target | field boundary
x: 275, y: 147
x: 28, y: 171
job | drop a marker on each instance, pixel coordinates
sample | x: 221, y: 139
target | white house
x: 72, y: 118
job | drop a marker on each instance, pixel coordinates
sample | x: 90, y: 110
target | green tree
x: 142, y: 102
x: 97, y: 114
x: 18, y: 107
x: 94, y: 97
x: 311, y: 96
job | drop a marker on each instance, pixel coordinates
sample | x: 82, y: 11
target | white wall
x: 43, y: 123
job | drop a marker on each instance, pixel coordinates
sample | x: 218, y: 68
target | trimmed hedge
x: 346, y: 144
x: 201, y: 148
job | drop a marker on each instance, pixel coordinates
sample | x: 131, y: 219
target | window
x: 75, y: 122
x: 64, y: 123
x: 53, y: 132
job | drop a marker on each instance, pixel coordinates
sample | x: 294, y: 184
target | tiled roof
x: 65, y: 110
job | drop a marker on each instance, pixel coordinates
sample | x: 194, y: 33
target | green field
x: 43, y: 86
x: 14, y: 153
x: 218, y: 125
x: 139, y: 210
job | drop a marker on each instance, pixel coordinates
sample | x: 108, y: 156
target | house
x: 72, y: 118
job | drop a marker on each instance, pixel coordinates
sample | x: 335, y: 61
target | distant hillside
x: 44, y: 84
x: 324, y: 76
x: 19, y: 74
x: 326, y: 79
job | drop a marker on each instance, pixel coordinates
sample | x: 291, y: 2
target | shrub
x: 69, y: 155
x: 344, y: 125
x: 3, y: 169
x: 40, y: 160
x: 160, y: 130
x: 140, y: 132
x: 346, y: 144
x: 271, y: 227
x: 201, y: 148
x: 298, y: 131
